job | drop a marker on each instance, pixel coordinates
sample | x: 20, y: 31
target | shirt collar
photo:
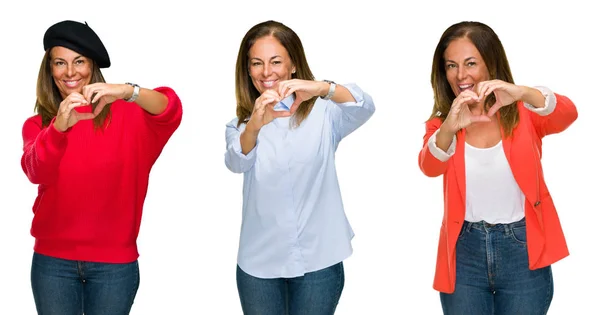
x: 285, y: 104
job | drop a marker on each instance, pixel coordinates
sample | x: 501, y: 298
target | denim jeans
x: 315, y: 293
x: 493, y: 276
x: 68, y: 287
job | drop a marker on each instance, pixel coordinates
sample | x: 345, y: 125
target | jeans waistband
x: 484, y: 226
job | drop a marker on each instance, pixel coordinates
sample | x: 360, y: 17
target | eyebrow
x: 468, y: 58
x: 59, y: 58
x: 276, y: 56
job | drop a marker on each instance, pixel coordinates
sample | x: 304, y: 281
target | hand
x: 105, y: 93
x: 67, y: 116
x: 505, y: 93
x: 304, y: 90
x: 460, y: 115
x: 263, y: 112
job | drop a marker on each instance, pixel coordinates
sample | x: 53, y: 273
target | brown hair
x: 48, y: 96
x: 245, y: 92
x: 489, y: 46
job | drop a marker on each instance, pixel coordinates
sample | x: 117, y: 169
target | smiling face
x: 70, y: 70
x: 269, y: 63
x: 464, y: 65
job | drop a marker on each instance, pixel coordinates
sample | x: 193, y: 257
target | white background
x: 189, y: 235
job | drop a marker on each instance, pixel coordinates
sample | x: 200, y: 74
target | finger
x: 101, y: 104
x: 283, y: 85
x: 496, y: 107
x: 295, y: 105
x: 465, y: 98
x: 291, y: 90
x: 274, y: 94
x: 87, y: 91
x: 98, y: 95
x: 72, y: 98
x: 71, y: 106
x: 269, y: 100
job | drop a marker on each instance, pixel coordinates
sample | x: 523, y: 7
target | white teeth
x: 71, y: 83
x: 465, y: 86
x: 268, y: 83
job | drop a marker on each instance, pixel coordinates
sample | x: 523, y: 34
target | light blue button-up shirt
x: 293, y: 219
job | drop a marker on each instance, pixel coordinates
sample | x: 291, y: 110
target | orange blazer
x: 545, y: 239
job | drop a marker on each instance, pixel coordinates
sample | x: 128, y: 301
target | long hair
x: 245, y: 92
x: 489, y: 46
x: 48, y: 96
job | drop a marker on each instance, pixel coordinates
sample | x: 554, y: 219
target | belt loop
x: 507, y: 228
x: 468, y: 229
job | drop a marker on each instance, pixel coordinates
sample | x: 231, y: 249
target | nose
x: 267, y: 70
x: 70, y: 70
x: 461, y: 74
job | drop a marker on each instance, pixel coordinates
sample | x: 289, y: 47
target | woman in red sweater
x: 90, y: 149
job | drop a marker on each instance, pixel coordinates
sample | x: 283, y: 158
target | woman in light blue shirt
x: 294, y: 233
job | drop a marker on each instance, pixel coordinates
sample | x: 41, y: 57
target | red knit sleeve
x: 164, y: 124
x: 43, y: 149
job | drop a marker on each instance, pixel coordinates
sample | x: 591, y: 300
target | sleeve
x: 432, y: 160
x: 347, y: 117
x: 557, y: 115
x: 235, y: 160
x: 164, y: 124
x: 43, y: 149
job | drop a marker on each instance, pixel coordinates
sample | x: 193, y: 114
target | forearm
x: 444, y: 138
x: 340, y: 95
x: 533, y: 97
x: 248, y: 139
x: 151, y: 101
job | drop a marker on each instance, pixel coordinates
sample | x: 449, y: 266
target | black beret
x: 78, y: 37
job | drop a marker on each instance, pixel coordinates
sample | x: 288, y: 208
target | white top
x: 493, y: 195
x: 489, y: 186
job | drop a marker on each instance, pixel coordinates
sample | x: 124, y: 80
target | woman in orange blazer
x: 500, y: 232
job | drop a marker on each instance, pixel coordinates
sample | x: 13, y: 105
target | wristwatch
x: 331, y: 90
x: 135, y: 94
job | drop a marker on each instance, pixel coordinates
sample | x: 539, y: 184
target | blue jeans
x: 315, y: 293
x: 68, y: 287
x: 493, y: 276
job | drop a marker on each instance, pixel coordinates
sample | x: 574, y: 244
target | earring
x: 293, y: 71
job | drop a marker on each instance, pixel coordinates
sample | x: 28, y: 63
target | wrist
x: 523, y: 90
x: 133, y: 92
x: 446, y: 131
x: 127, y: 91
x: 323, y: 88
x: 251, y: 128
x: 57, y: 126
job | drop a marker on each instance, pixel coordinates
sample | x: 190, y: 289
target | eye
x: 471, y: 64
x: 450, y: 66
x: 79, y: 61
x: 254, y: 64
x: 276, y: 62
x: 59, y: 63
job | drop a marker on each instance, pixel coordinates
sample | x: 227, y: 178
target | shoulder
x: 234, y: 124
x: 433, y: 123
x: 34, y: 120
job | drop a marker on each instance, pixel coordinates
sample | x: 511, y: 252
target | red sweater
x: 92, y: 183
